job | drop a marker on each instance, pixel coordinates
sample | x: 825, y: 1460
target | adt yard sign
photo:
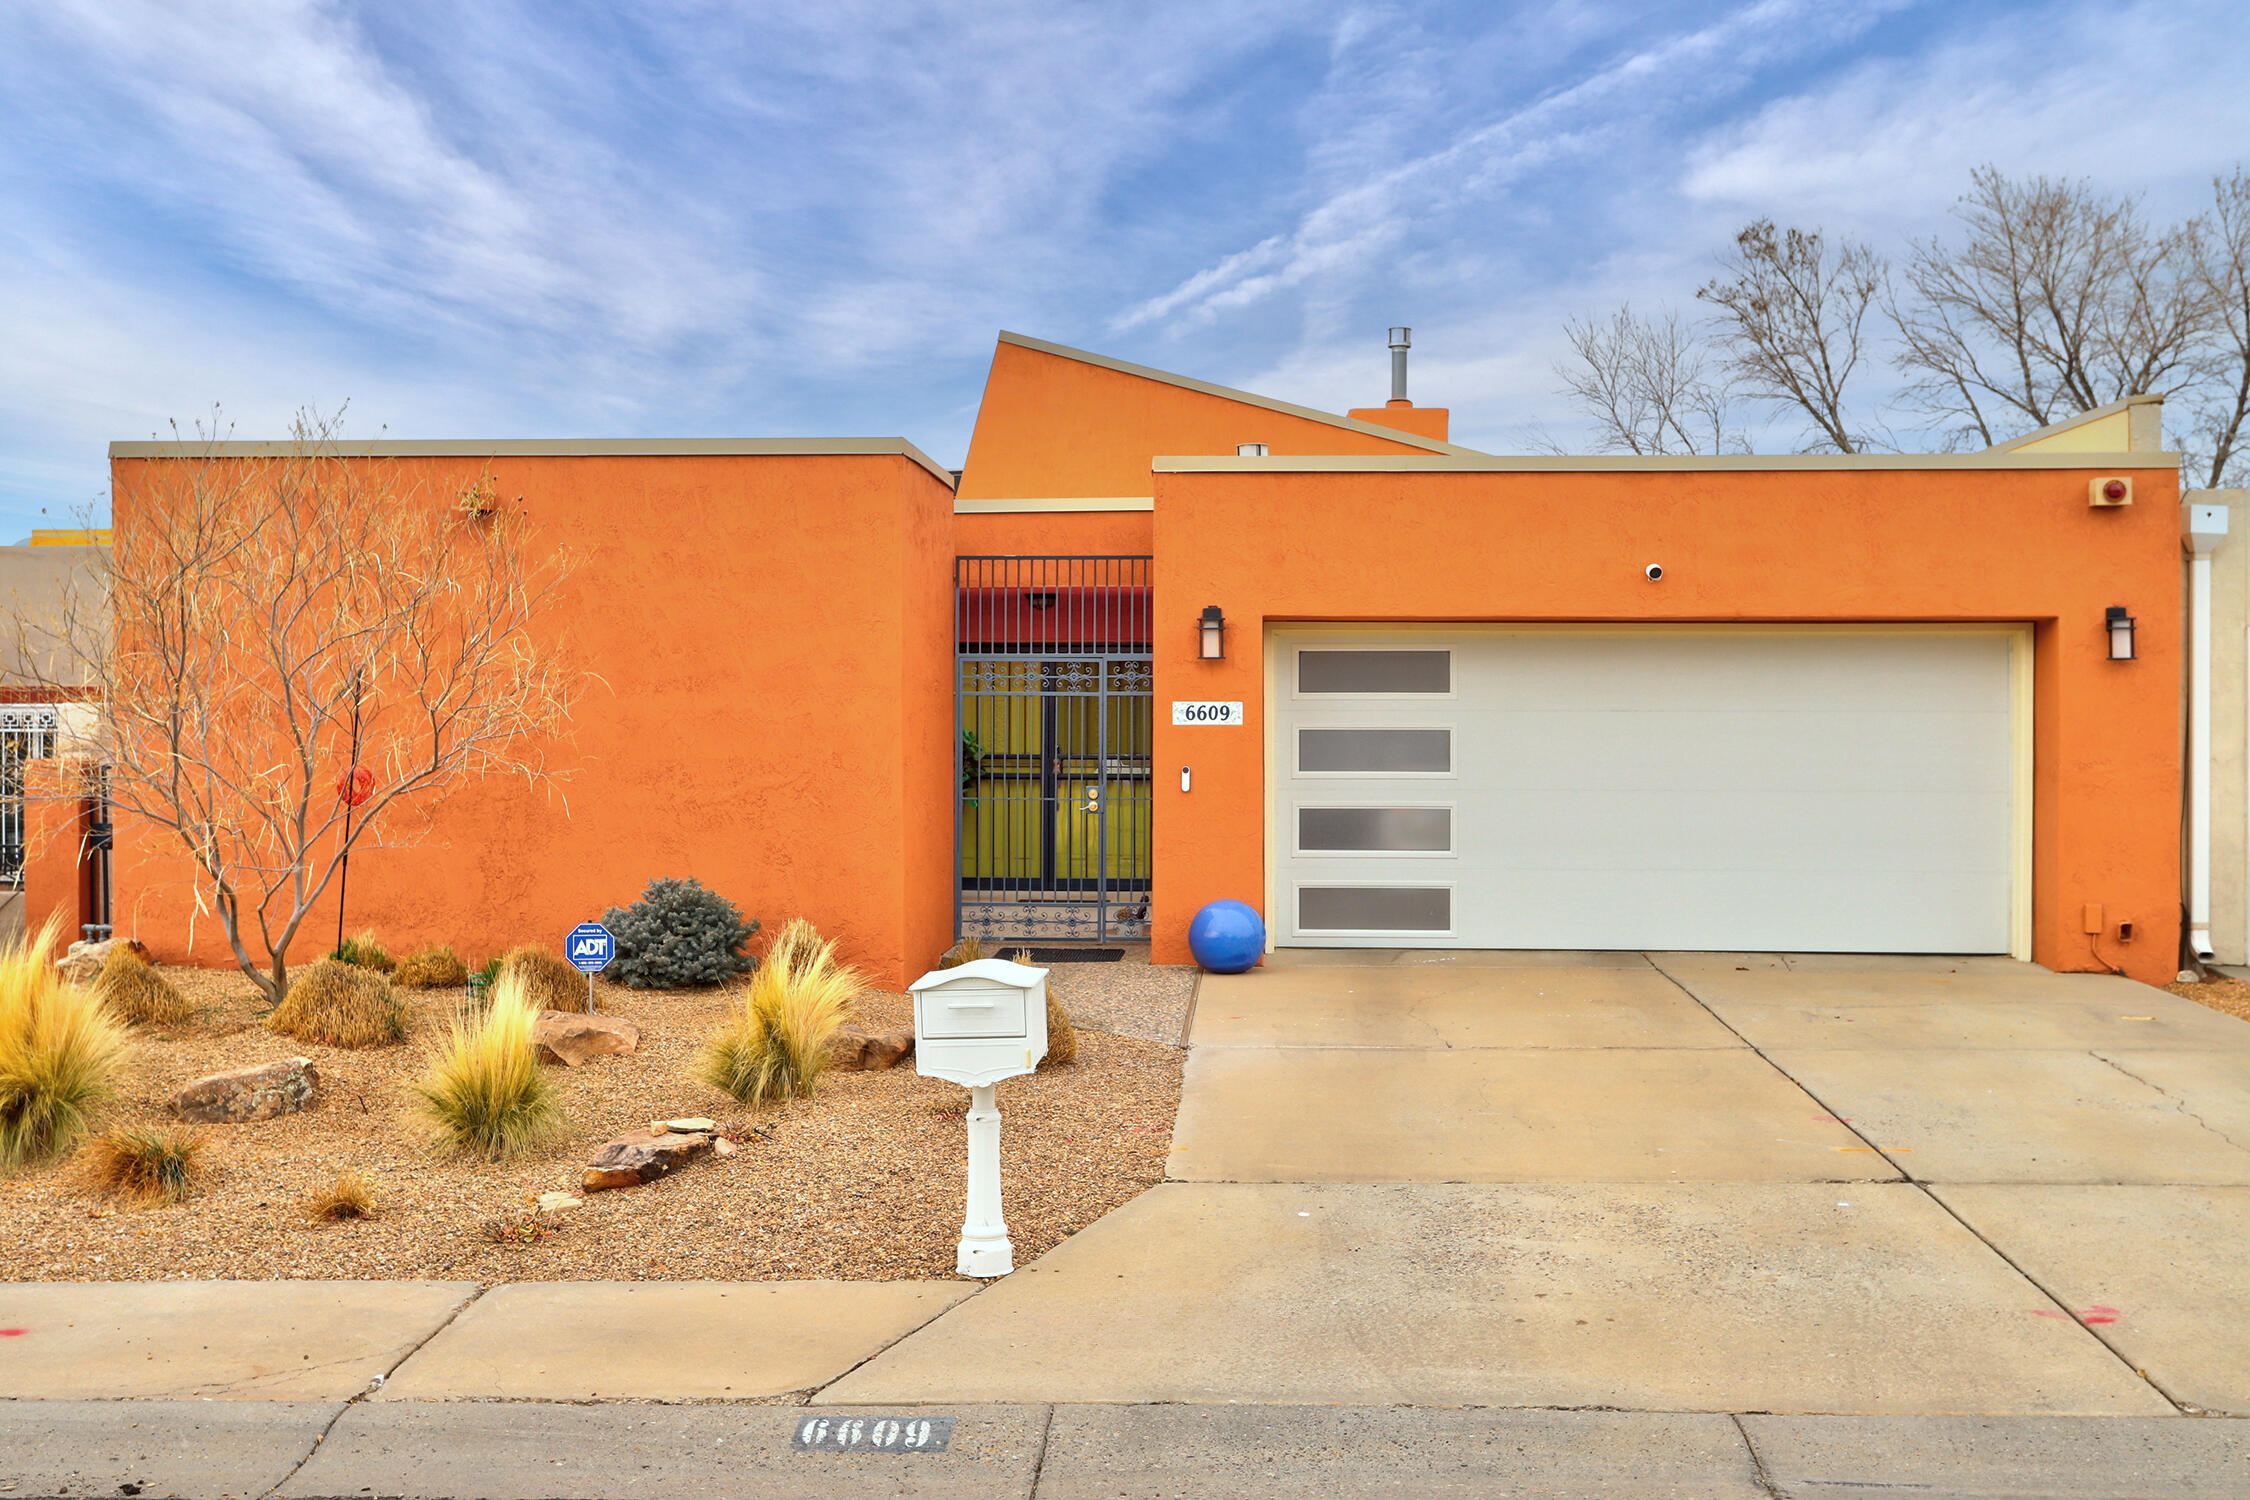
x: 590, y: 947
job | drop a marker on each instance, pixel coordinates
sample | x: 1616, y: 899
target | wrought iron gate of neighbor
x: 1053, y: 711
x: 27, y: 733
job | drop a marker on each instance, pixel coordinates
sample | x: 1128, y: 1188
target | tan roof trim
x: 989, y: 505
x: 2076, y: 419
x: 1248, y: 398
x: 857, y: 447
x: 1747, y: 463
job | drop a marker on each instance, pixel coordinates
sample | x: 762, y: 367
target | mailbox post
x: 975, y: 1025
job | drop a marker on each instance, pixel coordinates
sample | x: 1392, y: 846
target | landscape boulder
x: 571, y: 1039
x: 643, y: 1156
x: 259, y: 1093
x: 82, y: 961
x: 857, y: 1049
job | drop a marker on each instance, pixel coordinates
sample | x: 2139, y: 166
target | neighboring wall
x: 38, y: 584
x: 769, y: 637
x: 2230, y: 727
x: 2004, y: 538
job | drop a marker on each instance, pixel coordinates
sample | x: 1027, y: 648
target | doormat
x: 1074, y: 955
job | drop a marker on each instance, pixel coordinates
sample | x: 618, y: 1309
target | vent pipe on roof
x: 1400, y: 339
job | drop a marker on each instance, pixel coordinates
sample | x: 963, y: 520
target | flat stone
x: 555, y: 1203
x: 156, y: 1447
x: 664, y: 1341
x: 1703, y: 1296
x: 693, y: 1125
x: 256, y: 1093
x: 858, y: 1050
x: 573, y: 1039
x: 545, y: 1451
x: 643, y: 1156
x: 215, y: 1340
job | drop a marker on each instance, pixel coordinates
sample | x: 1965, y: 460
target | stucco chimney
x: 1399, y: 413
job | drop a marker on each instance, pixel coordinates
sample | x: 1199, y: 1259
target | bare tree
x: 294, y: 654
x: 1793, y: 313
x: 2056, y: 301
x: 2219, y: 410
x: 1644, y: 383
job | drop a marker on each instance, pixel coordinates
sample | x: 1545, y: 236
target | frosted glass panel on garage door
x: 1843, y: 792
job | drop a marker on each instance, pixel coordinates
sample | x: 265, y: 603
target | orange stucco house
x: 1160, y: 642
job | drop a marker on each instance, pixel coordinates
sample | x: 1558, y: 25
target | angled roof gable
x: 1065, y: 425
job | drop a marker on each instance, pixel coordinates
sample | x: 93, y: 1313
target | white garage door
x: 1846, y: 790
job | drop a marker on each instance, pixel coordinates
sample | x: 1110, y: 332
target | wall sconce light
x: 2120, y: 626
x: 1211, y: 628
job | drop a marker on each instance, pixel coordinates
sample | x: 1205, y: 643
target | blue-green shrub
x: 679, y: 935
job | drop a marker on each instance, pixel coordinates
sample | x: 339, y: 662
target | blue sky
x: 692, y: 218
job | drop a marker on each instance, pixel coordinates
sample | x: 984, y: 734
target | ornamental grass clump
x: 679, y: 936
x: 150, y: 1166
x: 774, y: 1043
x: 1062, y: 1036
x: 547, y: 982
x: 433, y: 966
x: 361, y: 951
x: 136, y: 994
x: 337, y: 1005
x: 59, y: 1050
x: 350, y: 1196
x: 484, y: 1093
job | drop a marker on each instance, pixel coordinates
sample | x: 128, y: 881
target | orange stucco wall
x: 1838, y: 545
x: 1423, y: 421
x: 1100, y: 533
x: 771, y: 639
x: 1053, y: 427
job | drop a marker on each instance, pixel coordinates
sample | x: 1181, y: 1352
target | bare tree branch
x: 1793, y: 311
x: 248, y: 607
x: 2219, y: 411
x: 1643, y: 382
x: 2056, y: 301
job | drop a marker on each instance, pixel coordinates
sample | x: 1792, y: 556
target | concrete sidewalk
x: 539, y: 1451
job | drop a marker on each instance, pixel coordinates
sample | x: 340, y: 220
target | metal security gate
x: 27, y: 734
x: 1053, y: 716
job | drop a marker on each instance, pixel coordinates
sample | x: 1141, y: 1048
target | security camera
x: 1655, y: 572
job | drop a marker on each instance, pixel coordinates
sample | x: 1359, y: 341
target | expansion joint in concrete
x: 1757, y: 1460
x: 2058, y: 1304
x: 370, y: 1389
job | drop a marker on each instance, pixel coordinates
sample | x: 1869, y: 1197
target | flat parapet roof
x: 1630, y: 463
x: 557, y: 448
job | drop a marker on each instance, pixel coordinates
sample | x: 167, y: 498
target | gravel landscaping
x: 863, y: 1181
x: 2220, y: 993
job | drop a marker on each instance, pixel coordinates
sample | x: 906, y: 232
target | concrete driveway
x: 1679, y: 1183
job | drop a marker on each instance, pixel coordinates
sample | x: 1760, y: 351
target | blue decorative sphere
x: 1227, y: 937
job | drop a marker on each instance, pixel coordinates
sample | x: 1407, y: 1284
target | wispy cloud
x: 771, y: 216
x: 1352, y: 225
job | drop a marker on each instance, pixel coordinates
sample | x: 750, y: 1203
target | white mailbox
x: 975, y: 1025
x: 980, y: 1022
